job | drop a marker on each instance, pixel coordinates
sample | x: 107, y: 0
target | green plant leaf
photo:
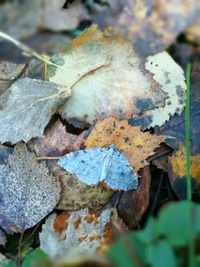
x: 36, y: 258
x: 10, y: 264
x: 161, y: 254
x: 173, y: 223
x: 127, y: 251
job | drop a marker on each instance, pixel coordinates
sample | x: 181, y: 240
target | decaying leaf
x: 178, y: 163
x: 56, y: 141
x: 28, y: 191
x: 79, y: 231
x: 28, y: 109
x: 109, y: 78
x: 174, y: 86
x: 133, y: 204
x: 76, y: 195
x: 105, y: 165
x: 9, y: 72
x: 175, y: 127
x: 136, y: 145
x: 63, y: 19
x: 151, y: 25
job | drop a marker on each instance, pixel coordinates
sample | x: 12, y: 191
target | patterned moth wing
x: 94, y: 165
x: 120, y: 174
x: 85, y: 164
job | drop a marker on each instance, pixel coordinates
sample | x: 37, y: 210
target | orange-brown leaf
x: 136, y: 145
x: 178, y: 162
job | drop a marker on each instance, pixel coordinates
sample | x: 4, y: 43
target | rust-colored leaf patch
x: 83, y: 231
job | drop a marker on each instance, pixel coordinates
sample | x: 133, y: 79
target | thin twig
x: 46, y: 158
x: 26, y: 49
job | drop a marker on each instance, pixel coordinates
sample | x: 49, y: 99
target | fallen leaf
x: 9, y: 72
x: 133, y: 204
x: 85, y: 232
x: 136, y: 145
x: 5, y: 151
x: 63, y: 19
x: 177, y: 171
x: 56, y: 141
x: 28, y: 191
x: 94, y: 63
x: 175, y: 127
x: 76, y: 195
x: 151, y: 25
x: 3, y: 238
x: 101, y: 165
x: 29, y: 101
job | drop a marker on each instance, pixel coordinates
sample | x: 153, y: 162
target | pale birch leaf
x: 28, y: 108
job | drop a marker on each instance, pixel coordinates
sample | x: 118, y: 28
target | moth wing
x: 85, y: 164
x: 120, y: 175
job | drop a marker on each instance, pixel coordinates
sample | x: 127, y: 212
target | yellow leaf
x: 178, y: 162
x: 136, y: 145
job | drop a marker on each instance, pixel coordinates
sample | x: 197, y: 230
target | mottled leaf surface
x: 109, y: 78
x: 79, y: 231
x: 28, y: 191
x: 136, y: 145
x: 76, y: 195
x: 151, y: 25
x: 95, y: 165
x: 28, y: 109
x: 56, y: 141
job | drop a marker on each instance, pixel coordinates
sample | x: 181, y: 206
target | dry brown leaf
x: 151, y: 25
x: 76, y: 195
x: 56, y: 141
x: 133, y: 204
x: 136, y: 145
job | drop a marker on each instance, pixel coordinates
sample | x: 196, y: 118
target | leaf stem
x: 187, y: 133
x: 46, y: 158
x: 191, y: 246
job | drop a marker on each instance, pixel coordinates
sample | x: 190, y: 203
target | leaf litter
x: 28, y: 191
x: 150, y: 86
x: 79, y: 231
x: 136, y: 145
x: 29, y: 100
x: 96, y: 67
